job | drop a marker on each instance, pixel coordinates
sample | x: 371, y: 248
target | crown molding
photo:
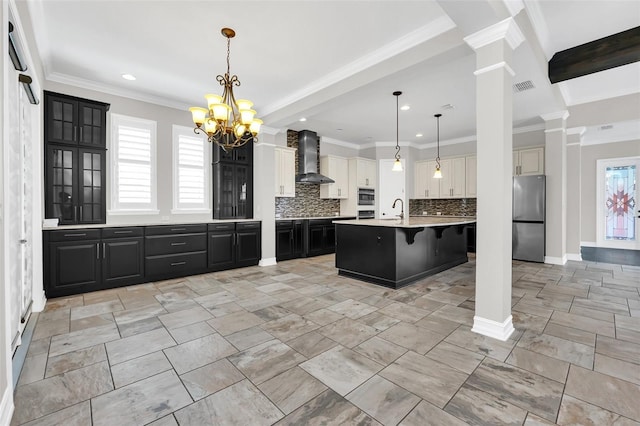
x: 527, y: 129
x: 114, y: 90
x: 270, y: 130
x: 513, y: 6
x: 539, y: 25
x: 337, y: 142
x: 390, y: 50
x: 576, y: 131
x: 39, y: 23
x: 506, y: 29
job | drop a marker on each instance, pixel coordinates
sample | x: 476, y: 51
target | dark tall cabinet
x: 75, y: 159
x: 233, y: 182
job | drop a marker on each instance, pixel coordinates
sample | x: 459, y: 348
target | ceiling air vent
x: 606, y: 127
x: 522, y: 86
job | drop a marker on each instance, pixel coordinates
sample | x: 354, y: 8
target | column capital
x: 506, y: 29
x: 558, y: 115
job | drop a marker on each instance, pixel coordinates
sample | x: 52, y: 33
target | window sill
x: 191, y: 211
x: 132, y: 212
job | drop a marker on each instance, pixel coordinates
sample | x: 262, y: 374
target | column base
x: 555, y: 260
x: 493, y: 329
x: 268, y: 262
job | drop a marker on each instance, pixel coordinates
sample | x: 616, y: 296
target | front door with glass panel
x: 617, y: 203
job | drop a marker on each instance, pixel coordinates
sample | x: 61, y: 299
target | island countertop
x: 410, y: 222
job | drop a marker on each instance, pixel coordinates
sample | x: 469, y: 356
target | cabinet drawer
x: 230, y: 226
x: 169, y: 244
x: 284, y: 224
x: 175, y: 264
x: 175, y: 229
x: 74, y: 235
x: 135, y: 231
x: 247, y: 225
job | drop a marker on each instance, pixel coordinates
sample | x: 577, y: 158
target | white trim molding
x: 493, y: 329
x: 555, y: 260
x: 495, y: 67
x: 555, y: 115
x: 270, y: 261
x: 575, y: 257
x: 6, y: 406
x: 506, y: 29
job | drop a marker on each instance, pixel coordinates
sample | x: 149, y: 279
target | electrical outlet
x: 424, y: 213
x: 438, y: 213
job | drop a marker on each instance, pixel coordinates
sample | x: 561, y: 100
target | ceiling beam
x: 599, y: 55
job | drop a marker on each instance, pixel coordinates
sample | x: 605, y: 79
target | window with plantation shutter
x: 133, y: 161
x: 190, y: 171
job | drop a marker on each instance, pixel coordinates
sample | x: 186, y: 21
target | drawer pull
x: 178, y: 263
x: 178, y: 229
x: 75, y: 235
x: 178, y: 244
x: 122, y: 232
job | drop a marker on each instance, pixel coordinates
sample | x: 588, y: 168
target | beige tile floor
x: 295, y: 344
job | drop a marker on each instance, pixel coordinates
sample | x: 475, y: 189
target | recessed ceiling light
x: 405, y: 107
x: 447, y: 106
x: 303, y: 119
x: 339, y: 130
x: 418, y: 135
x: 129, y: 77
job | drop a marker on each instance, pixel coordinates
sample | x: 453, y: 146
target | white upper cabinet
x: 528, y: 162
x: 425, y: 186
x: 285, y: 166
x: 366, y: 173
x: 452, y: 184
x: 336, y: 168
x: 471, y: 176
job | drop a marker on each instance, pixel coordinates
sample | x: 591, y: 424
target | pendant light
x: 438, y: 173
x: 397, y: 165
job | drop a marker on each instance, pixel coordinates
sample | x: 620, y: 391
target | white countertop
x: 120, y: 225
x: 411, y: 222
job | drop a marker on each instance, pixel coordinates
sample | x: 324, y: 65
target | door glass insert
x: 620, y: 202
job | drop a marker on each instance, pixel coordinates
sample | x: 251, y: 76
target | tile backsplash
x: 307, y: 201
x: 450, y: 207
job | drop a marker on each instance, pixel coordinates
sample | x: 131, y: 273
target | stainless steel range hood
x: 308, y: 159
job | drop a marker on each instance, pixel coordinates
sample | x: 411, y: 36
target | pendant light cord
x: 397, y: 94
x: 438, y: 138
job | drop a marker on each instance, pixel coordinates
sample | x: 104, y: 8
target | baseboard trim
x: 555, y: 260
x: 6, y: 406
x: 39, y: 302
x: 271, y: 261
x: 575, y: 257
x: 493, y: 329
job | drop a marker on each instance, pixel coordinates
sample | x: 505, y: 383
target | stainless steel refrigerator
x: 528, y: 218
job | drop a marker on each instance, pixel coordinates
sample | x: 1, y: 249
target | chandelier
x: 227, y: 122
x: 438, y: 172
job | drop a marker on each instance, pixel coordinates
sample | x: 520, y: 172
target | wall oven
x: 366, y: 197
x: 366, y: 214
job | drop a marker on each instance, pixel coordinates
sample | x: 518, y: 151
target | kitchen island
x: 398, y: 252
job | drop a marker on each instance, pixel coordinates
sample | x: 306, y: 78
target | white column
x: 6, y: 391
x: 494, y: 46
x: 574, y: 192
x: 555, y: 167
x: 264, y: 204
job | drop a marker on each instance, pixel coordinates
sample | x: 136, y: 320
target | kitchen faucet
x: 401, y: 207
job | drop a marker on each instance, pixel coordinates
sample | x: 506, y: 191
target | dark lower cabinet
x: 123, y: 261
x: 82, y: 260
x: 175, y: 250
x: 289, y: 239
x: 321, y: 237
x: 74, y: 267
x: 233, y: 245
x: 78, y: 261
